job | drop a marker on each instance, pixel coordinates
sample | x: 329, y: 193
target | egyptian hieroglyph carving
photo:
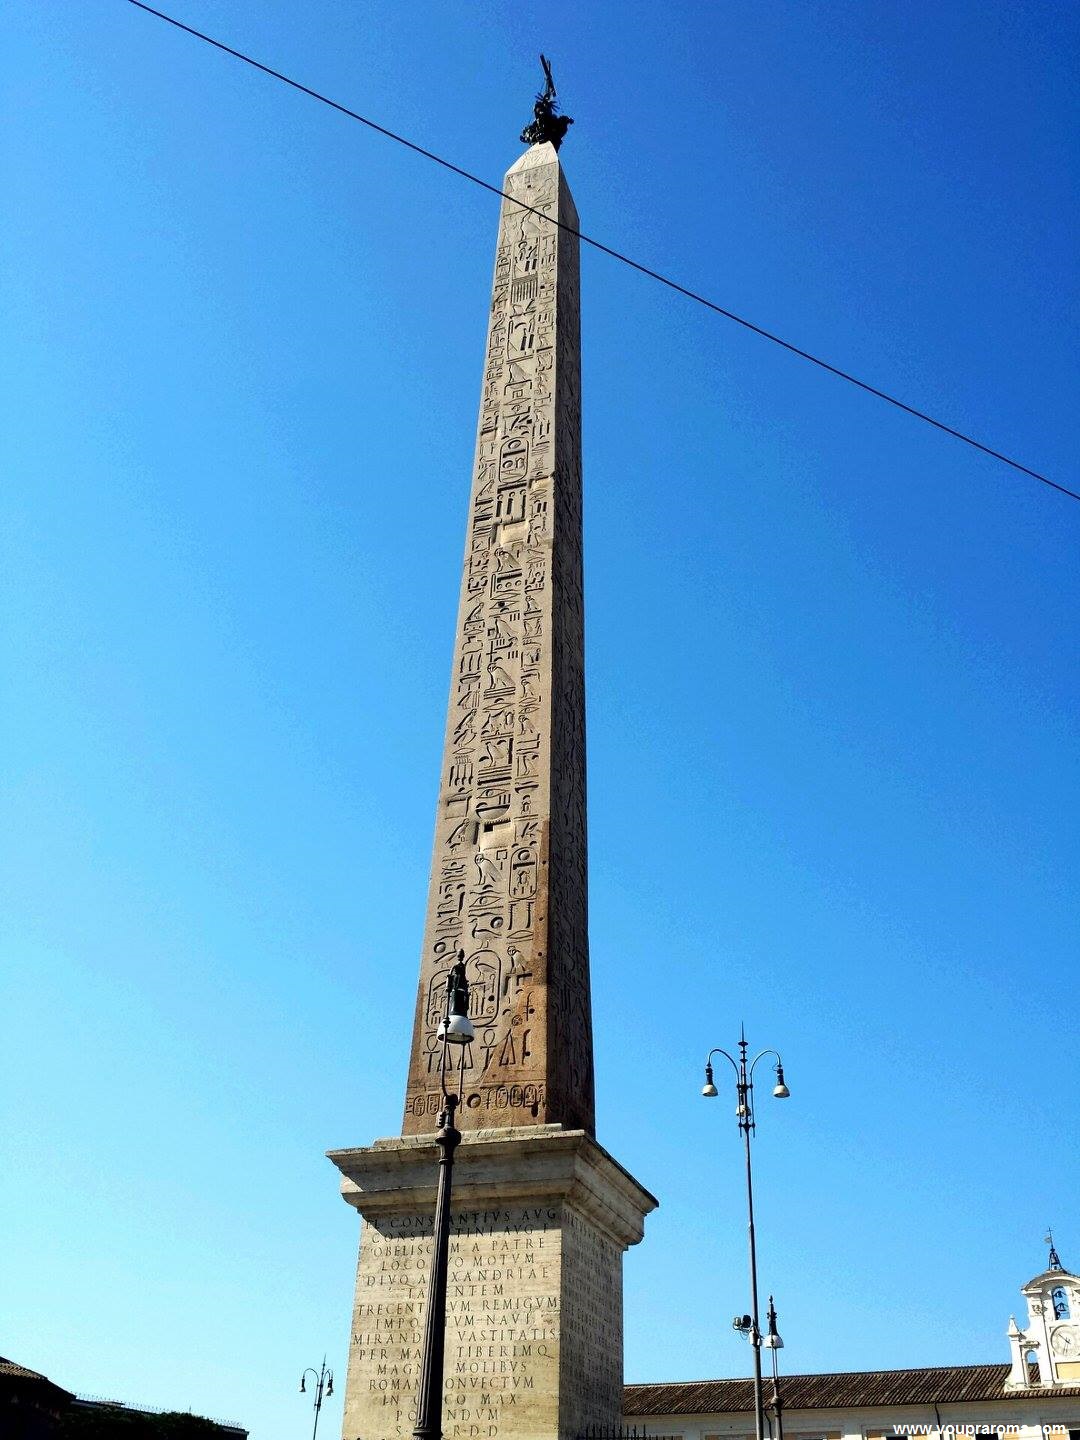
x: 508, y: 877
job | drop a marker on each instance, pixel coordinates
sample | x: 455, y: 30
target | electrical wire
x: 614, y: 254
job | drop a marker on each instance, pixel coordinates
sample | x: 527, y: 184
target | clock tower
x: 1052, y: 1337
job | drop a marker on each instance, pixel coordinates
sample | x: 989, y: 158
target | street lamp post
x: 744, y: 1113
x: 455, y: 1029
x: 324, y: 1388
x: 772, y: 1342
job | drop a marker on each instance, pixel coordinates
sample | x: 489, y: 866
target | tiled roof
x: 856, y: 1389
x: 43, y: 1389
x: 19, y: 1372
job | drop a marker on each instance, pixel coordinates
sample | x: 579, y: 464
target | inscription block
x: 502, y: 1324
x: 534, y: 1300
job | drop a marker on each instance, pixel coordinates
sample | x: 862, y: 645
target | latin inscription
x: 533, y: 1330
x: 591, y: 1318
x: 502, y: 1324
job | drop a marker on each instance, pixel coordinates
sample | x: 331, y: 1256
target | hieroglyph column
x: 541, y: 1215
x: 508, y: 875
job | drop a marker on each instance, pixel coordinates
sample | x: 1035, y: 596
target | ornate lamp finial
x: 548, y: 127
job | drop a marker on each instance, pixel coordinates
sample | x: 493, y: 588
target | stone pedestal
x: 534, y: 1303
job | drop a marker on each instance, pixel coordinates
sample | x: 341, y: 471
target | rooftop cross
x: 547, y: 126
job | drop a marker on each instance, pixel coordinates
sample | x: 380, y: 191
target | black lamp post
x: 772, y: 1342
x: 324, y: 1388
x: 455, y: 1029
x: 744, y: 1113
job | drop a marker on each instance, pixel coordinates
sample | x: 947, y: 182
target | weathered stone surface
x: 508, y: 875
x: 541, y: 1215
x: 541, y: 1218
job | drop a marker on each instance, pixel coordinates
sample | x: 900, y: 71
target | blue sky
x: 831, y: 657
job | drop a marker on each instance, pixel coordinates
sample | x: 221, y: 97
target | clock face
x: 1066, y: 1340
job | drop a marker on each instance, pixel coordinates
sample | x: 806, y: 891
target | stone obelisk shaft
x: 540, y: 1214
x: 508, y: 876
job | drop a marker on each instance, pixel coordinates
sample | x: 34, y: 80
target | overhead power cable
x: 614, y: 254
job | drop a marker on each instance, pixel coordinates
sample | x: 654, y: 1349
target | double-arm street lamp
x: 455, y: 1029
x: 324, y: 1388
x: 744, y: 1114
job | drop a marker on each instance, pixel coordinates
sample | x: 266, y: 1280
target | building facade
x: 1036, y: 1395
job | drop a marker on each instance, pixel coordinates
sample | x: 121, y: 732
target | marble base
x: 540, y: 1221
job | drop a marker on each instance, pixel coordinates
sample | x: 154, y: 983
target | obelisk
x: 541, y: 1213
